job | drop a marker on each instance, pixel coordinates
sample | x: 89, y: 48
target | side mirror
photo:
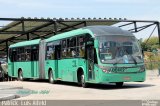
x: 96, y: 44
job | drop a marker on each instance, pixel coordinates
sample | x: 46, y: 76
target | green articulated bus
x: 93, y: 54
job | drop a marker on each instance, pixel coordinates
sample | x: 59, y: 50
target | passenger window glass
x: 27, y: 53
x: 64, y: 43
x: 80, y: 41
x: 51, y: 52
x: 21, y: 55
x: 34, y: 53
x: 64, y: 48
x: 13, y: 55
x: 71, y: 50
x: 81, y: 45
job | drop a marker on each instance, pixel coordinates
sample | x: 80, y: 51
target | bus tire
x: 119, y: 84
x: 51, y: 78
x: 83, y: 82
x: 20, y: 75
x: 81, y: 79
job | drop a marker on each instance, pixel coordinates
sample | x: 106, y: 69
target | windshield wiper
x: 135, y: 62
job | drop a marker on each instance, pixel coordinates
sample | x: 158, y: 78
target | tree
x: 150, y: 44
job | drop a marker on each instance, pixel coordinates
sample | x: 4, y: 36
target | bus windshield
x: 119, y: 49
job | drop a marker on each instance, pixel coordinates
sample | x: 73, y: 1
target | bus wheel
x: 119, y: 84
x: 20, y: 75
x: 51, y: 78
x: 83, y: 82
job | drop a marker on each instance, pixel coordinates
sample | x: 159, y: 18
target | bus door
x: 90, y: 62
x: 57, y: 58
x: 34, y: 61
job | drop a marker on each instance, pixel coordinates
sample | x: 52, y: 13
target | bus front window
x: 119, y: 49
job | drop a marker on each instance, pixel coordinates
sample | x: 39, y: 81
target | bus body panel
x: 34, y: 69
x: 67, y: 68
x: 25, y: 67
x: 29, y: 69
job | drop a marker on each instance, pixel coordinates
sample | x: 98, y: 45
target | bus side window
x: 27, y: 53
x: 80, y: 46
x: 20, y: 54
x: 50, y: 52
x: 69, y: 48
x: 53, y: 52
x: 72, y: 47
x: 81, y: 51
x: 80, y: 41
x: 64, y: 48
x: 23, y: 54
x: 57, y: 52
x: 13, y: 55
x: 34, y: 53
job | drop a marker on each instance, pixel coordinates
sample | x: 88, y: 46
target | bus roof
x: 94, y: 31
x: 108, y: 30
x: 25, y: 43
x: 69, y: 34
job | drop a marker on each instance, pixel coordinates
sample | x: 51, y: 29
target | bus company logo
x: 149, y: 103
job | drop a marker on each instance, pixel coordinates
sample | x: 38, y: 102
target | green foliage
x: 144, y: 46
x: 151, y: 44
x: 153, y: 40
x: 151, y: 57
x: 152, y: 60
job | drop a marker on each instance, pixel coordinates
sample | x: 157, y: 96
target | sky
x: 129, y: 9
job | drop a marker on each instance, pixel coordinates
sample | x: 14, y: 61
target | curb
x: 8, y: 97
x: 11, y: 88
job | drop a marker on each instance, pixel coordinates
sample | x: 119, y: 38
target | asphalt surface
x: 42, y: 90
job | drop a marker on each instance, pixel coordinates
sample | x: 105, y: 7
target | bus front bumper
x: 126, y: 77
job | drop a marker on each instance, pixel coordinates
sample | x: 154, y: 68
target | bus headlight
x: 105, y: 70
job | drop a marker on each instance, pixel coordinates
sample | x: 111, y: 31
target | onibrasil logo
x: 150, y: 103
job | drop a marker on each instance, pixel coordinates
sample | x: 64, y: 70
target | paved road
x: 42, y: 90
